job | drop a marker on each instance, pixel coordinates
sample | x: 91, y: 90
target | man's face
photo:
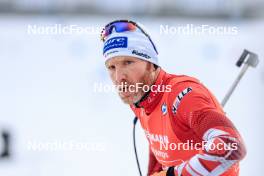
x: 128, y: 72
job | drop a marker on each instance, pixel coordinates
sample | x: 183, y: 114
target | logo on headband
x: 140, y: 54
x: 115, y: 42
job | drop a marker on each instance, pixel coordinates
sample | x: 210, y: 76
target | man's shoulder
x: 186, y: 87
x: 181, y: 81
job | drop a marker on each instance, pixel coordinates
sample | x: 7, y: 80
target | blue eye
x: 128, y: 62
x: 111, y: 67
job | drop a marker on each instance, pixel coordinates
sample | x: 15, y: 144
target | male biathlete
x: 189, y: 134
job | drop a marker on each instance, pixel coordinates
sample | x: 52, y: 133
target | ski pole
x: 249, y: 59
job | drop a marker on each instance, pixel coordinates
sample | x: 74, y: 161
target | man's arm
x: 224, y: 146
x: 198, y: 111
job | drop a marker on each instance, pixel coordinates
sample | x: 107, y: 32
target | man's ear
x: 155, y: 66
x: 152, y: 67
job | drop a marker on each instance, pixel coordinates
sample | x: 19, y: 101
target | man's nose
x: 120, y: 75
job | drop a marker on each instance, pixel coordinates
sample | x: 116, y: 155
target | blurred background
x: 53, y: 121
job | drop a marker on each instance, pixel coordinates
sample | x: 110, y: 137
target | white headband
x: 130, y: 43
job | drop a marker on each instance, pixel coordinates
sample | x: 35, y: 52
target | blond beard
x: 148, y: 79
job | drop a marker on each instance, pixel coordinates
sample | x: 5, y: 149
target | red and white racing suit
x: 182, y: 116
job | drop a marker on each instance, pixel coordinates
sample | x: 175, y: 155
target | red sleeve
x: 198, y: 110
